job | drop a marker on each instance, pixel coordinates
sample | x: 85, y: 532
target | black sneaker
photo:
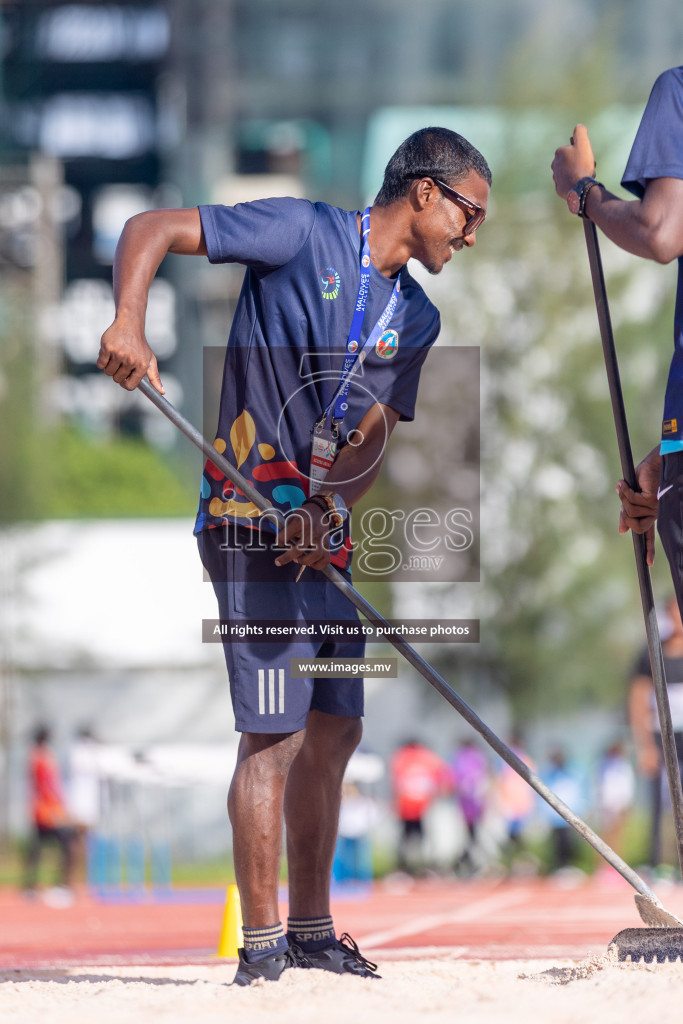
x: 343, y: 957
x: 271, y: 967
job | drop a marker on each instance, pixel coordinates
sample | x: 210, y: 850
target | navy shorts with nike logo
x: 250, y: 589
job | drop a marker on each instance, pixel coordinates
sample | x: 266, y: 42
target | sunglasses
x: 475, y: 214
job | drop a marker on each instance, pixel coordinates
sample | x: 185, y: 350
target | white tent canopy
x: 113, y: 594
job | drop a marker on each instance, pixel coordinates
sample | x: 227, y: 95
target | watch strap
x: 584, y: 195
x: 578, y: 193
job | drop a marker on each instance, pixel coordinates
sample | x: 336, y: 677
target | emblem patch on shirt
x: 330, y: 282
x: 670, y: 427
x: 387, y: 345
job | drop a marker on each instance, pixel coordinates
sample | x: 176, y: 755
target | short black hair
x: 430, y: 153
x: 41, y: 735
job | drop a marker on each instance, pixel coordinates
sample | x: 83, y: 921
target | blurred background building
x: 113, y: 108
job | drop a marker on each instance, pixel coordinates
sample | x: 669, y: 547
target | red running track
x: 489, y: 920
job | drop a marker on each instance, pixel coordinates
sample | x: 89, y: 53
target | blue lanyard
x: 353, y: 357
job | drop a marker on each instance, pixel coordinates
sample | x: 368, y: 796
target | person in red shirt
x: 48, y: 812
x: 418, y: 776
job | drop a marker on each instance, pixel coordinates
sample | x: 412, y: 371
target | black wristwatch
x: 331, y: 503
x: 577, y: 195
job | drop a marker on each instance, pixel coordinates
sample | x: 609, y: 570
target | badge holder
x: 324, y: 447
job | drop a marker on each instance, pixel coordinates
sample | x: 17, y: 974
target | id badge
x: 323, y: 454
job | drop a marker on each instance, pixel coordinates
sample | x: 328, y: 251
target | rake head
x: 649, y: 945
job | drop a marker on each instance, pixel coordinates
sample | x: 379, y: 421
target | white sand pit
x: 433, y: 990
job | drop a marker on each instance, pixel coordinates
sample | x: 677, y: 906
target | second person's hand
x: 573, y: 162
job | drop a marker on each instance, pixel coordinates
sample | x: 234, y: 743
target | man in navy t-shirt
x: 324, y: 358
x: 650, y: 226
x: 287, y: 347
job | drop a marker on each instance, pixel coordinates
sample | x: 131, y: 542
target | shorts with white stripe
x: 251, y: 589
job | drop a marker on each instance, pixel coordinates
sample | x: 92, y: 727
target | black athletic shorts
x: 670, y: 517
x: 250, y: 588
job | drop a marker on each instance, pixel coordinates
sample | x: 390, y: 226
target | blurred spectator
x: 353, y: 853
x: 50, y: 819
x: 516, y: 799
x: 84, y: 779
x: 84, y: 790
x: 567, y: 784
x: 615, y: 794
x: 470, y: 781
x: 645, y: 720
x: 418, y: 776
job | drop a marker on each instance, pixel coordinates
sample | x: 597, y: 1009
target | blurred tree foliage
x: 559, y: 601
x: 50, y: 469
x: 120, y: 477
x: 16, y: 402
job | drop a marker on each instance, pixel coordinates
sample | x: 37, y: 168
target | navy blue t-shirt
x: 658, y: 153
x: 287, y: 346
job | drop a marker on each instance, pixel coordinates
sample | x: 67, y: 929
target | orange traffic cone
x: 231, y: 933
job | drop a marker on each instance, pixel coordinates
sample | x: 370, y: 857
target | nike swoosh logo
x: 663, y: 491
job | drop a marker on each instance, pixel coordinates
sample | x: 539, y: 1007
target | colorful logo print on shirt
x: 330, y: 282
x: 387, y: 345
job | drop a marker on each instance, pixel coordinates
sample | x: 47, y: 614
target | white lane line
x: 443, y: 953
x: 471, y: 912
x: 570, y: 915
